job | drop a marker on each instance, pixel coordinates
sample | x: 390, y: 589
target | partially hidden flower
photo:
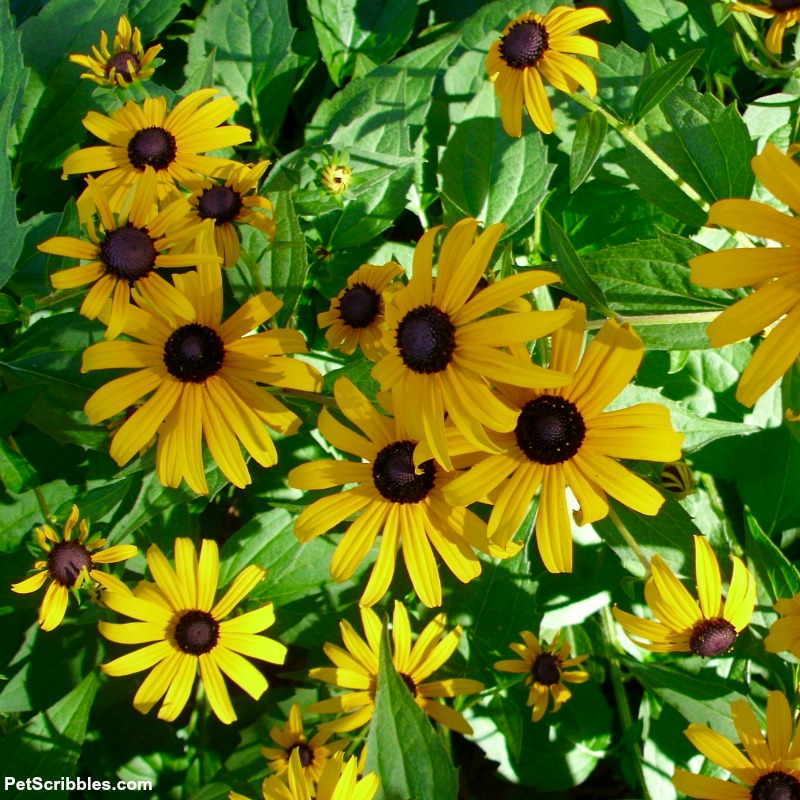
x: 784, y: 633
x: 70, y: 564
x: 184, y: 631
x: 677, y: 478
x: 335, y: 178
x: 681, y: 625
x: 783, y: 13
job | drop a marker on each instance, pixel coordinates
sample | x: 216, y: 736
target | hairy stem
x: 658, y: 319
x: 629, y: 540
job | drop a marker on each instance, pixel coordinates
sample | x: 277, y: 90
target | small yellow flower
x: 335, y: 178
x: 128, y: 63
x: 68, y: 564
x: 547, y: 670
x: 785, y: 633
x: 783, y: 13
x: 677, y: 478
x: 707, y: 630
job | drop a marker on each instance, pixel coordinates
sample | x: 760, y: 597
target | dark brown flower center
x: 550, y: 430
x: 197, y: 632
x: 306, y: 753
x: 152, y: 147
x: 546, y: 670
x: 125, y: 64
x: 479, y: 287
x: 193, y: 353
x: 784, y: 5
x: 67, y: 560
x: 712, y: 637
x: 426, y: 339
x: 410, y: 684
x: 359, y: 305
x: 524, y: 44
x: 219, y: 203
x: 776, y: 786
x: 395, y: 478
x: 128, y: 253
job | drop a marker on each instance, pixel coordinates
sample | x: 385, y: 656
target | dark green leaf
x: 775, y: 575
x: 95, y: 503
x: 16, y: 472
x: 656, y: 86
x: 9, y: 311
x: 14, y: 405
x: 152, y: 16
x: 590, y: 133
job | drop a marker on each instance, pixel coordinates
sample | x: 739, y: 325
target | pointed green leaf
x: 775, y: 575
x: 590, y: 133
x: 655, y: 87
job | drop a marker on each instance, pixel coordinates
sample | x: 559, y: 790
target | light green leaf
x: 16, y: 472
x: 775, y: 575
x: 656, y: 86
x: 590, y: 133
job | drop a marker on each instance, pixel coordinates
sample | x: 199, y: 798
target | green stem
x: 658, y: 319
x: 629, y: 540
x: 313, y: 397
x: 36, y: 489
x: 59, y: 297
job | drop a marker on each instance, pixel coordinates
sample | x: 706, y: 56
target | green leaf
x: 575, y: 276
x: 490, y: 176
x: 14, y: 405
x: 95, y: 503
x: 19, y: 513
x: 152, y: 16
x: 16, y: 472
x: 656, y: 86
x: 775, y: 575
x: 9, y: 311
x: 402, y: 746
x: 590, y: 133
x: 49, y: 745
x: 376, y: 29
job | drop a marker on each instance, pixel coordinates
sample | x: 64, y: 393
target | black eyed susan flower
x: 128, y: 63
x: 394, y: 498
x: 184, y: 631
x: 313, y: 753
x: 126, y: 250
x: 356, y: 316
x: 708, y: 629
x: 357, y: 670
x: 783, y: 13
x: 563, y: 438
x: 546, y: 669
x: 236, y: 202
x: 784, y: 634
x: 677, y: 478
x: 141, y: 136
x: 203, y: 374
x: 768, y: 768
x: 533, y: 47
x: 70, y: 564
x: 773, y: 270
x: 445, y: 351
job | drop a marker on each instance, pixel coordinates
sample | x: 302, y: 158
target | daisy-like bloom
x: 185, y: 631
x: 393, y: 497
x: 335, y: 178
x: 709, y: 629
x: 768, y: 768
x: 128, y: 63
x: 357, y: 670
x: 783, y: 13
x: 445, y: 350
x: 141, y: 136
x: 533, y: 47
x: 203, y: 374
x: 773, y: 270
x: 313, y: 753
x: 356, y: 316
x: 785, y: 632
x: 236, y: 202
x: 546, y: 669
x: 126, y: 250
x: 70, y: 564
x: 564, y: 438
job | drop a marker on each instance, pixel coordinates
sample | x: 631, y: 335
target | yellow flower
x: 533, y: 47
x: 186, y: 631
x: 128, y: 63
x: 546, y: 669
x: 767, y: 770
x: 772, y: 270
x: 784, y: 634
x: 394, y: 498
x: 357, y: 670
x: 335, y: 178
x: 126, y: 251
x: 313, y: 753
x: 564, y: 438
x: 203, y: 373
x: 707, y: 630
x: 784, y: 14
x: 237, y: 202
x: 356, y: 316
x: 68, y: 564
x: 445, y: 350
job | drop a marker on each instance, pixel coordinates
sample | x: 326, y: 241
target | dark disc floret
x: 776, y: 786
x: 712, y: 637
x: 410, y: 684
x: 219, y: 203
x: 396, y: 479
x: 479, y: 287
x: 67, y: 560
x: 152, y: 147
x: 128, y: 253
x: 426, y: 339
x: 546, y: 669
x: 125, y: 64
x: 196, y: 632
x: 359, y: 305
x: 306, y: 753
x: 524, y: 44
x: 784, y: 5
x: 550, y: 430
x: 194, y: 353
